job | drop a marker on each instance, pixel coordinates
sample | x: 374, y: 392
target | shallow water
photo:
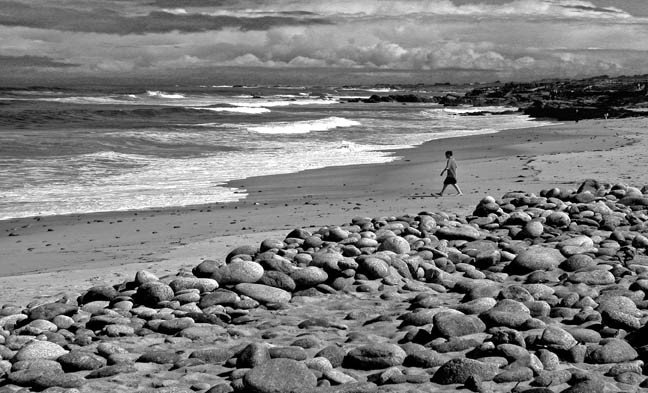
x: 67, y: 151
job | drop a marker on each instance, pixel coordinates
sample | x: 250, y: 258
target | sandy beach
x: 47, y: 257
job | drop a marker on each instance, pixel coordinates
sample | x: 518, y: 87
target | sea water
x: 66, y: 151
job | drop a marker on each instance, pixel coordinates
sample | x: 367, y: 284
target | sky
x: 326, y: 42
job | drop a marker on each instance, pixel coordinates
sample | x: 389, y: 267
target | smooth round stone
x: 45, y: 365
x: 159, y: 357
x: 518, y: 218
x: 592, y: 277
x: 96, y: 306
x: 585, y: 335
x: 395, y: 244
x: 50, y: 310
x: 269, y: 244
x: 374, y: 356
x: 558, y: 219
x: 333, y: 353
x: 204, y: 332
x: 319, y: 363
x: 308, y: 277
x: 263, y: 293
x: 206, y: 268
x: 550, y: 361
x: 419, y: 318
x: 617, y: 303
x: 67, y: 381
x: 143, y: 276
x: 118, y: 330
x: 620, y: 320
x: 533, y: 229
x: 153, y: 292
x: 539, y: 291
x: 337, y: 234
x: 201, y: 284
x: 280, y: 375
x: 515, y: 375
x: 99, y: 293
x: 612, y: 350
x: 176, y: 325
x: 508, y: 313
x: 577, y: 241
x: 80, y: 361
x: 536, y: 258
x: 241, y: 250
x: 459, y: 232
x: 578, y: 262
x: 556, y: 338
x: 43, y: 325
x: 253, y: 355
x: 426, y: 358
x: 454, y: 324
x: 290, y: 352
x: 238, y: 272
x: 40, y: 350
x: 278, y: 279
x: 459, y: 370
x: 374, y: 268
x: 477, y: 306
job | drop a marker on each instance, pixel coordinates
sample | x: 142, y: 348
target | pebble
x: 263, y: 293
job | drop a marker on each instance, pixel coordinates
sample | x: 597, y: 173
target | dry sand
x: 47, y: 257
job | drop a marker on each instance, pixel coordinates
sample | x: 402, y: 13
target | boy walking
x: 451, y: 174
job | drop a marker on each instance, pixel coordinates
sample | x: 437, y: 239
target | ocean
x: 69, y: 151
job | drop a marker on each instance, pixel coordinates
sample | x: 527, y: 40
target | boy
x: 451, y: 174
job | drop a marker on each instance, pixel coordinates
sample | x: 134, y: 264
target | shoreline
x: 490, y: 164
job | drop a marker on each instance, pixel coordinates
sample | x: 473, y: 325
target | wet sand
x: 47, y: 257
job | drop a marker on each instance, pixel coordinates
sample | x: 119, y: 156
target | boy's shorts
x: 450, y: 180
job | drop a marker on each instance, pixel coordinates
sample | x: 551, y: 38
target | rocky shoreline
x: 561, y: 99
x: 530, y: 293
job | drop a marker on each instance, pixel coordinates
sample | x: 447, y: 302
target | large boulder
x: 280, y: 376
x: 375, y: 356
x: 536, y: 258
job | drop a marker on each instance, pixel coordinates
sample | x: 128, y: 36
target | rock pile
x: 530, y: 293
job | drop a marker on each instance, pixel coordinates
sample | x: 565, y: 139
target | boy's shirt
x: 452, y: 167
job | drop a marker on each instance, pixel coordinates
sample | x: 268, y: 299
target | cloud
x: 32, y: 61
x: 447, y: 38
x: 157, y: 21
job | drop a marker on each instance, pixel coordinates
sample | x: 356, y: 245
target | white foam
x: 162, y: 94
x: 478, y: 109
x: 82, y: 100
x: 305, y: 126
x: 270, y: 102
x: 237, y: 109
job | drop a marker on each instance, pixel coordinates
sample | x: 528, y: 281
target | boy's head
x: 448, y: 154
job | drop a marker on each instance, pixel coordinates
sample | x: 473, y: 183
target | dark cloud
x: 196, y: 3
x: 591, y: 9
x: 32, y: 61
x: 111, y: 22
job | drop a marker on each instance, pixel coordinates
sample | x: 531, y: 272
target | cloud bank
x: 427, y: 41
